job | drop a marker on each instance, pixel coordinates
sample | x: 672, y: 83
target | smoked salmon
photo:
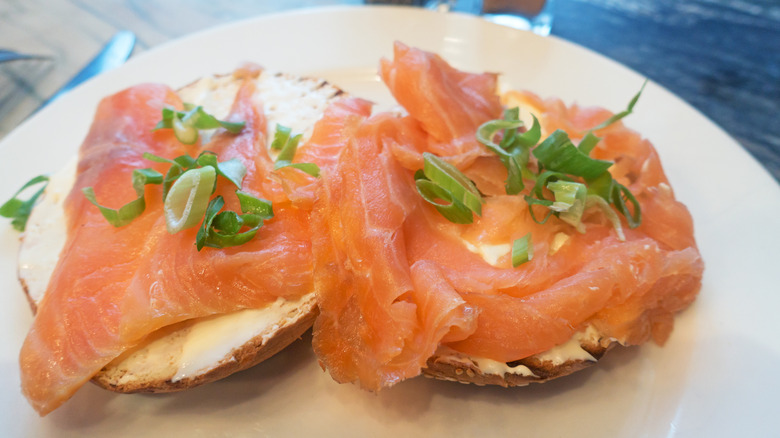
x: 396, y: 280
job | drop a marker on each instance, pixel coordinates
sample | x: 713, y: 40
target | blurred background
x: 721, y: 56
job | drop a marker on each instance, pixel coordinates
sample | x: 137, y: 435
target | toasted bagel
x: 180, y: 356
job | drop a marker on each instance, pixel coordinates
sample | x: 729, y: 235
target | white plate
x: 717, y: 375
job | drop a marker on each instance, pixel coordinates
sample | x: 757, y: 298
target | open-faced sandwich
x: 448, y: 238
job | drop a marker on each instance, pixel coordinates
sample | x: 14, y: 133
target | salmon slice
x: 114, y: 286
x: 379, y: 320
x: 328, y: 137
x: 444, y: 104
x: 396, y: 280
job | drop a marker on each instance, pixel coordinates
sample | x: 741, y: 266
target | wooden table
x: 721, y: 56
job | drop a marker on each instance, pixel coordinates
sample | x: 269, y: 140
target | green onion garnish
x: 441, y: 181
x: 558, y: 153
x: 222, y: 230
x: 569, y: 202
x: 188, y: 198
x: 576, y: 180
x: 513, y: 151
x: 18, y: 210
x: 186, y: 124
x: 126, y: 213
x: 623, y: 113
x: 449, y: 207
x: 187, y: 186
x: 522, y: 250
x: 288, y: 146
x: 281, y: 137
x: 599, y: 202
x: 233, y: 170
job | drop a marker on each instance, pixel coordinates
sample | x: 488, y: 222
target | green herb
x: 187, y: 123
x: 288, y: 146
x: 623, y: 113
x: 232, y: 169
x: 18, y: 210
x: 187, y: 188
x: 522, y: 250
x: 223, y: 229
x: 188, y: 198
x: 441, y: 181
x: 513, y: 150
x: 128, y: 212
x: 558, y: 153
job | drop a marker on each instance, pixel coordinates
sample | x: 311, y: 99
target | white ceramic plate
x: 717, y: 375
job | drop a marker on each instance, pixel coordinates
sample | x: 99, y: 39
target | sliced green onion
x: 232, y: 169
x: 185, y: 124
x: 179, y: 165
x: 188, y: 198
x: 620, y: 195
x: 254, y: 205
x: 215, y: 205
x: 222, y: 230
x: 522, y: 250
x: 513, y: 151
x: 288, y: 146
x: 281, y: 137
x: 535, y: 201
x: 601, y: 186
x: 18, y: 210
x: 588, y: 143
x: 449, y: 178
x: 569, y: 202
x: 452, y: 209
x: 185, y: 132
x: 624, y: 113
x: 559, y: 154
x: 601, y: 204
x: 126, y: 213
x: 544, y: 178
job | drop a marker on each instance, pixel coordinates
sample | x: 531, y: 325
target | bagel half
x: 203, y: 350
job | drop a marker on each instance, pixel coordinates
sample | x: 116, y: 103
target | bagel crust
x: 448, y: 364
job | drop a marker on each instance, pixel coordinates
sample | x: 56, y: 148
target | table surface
x: 721, y: 56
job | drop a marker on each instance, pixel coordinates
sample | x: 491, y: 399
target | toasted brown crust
x: 248, y: 355
x: 453, y: 366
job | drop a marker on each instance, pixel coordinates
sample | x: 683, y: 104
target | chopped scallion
x: 188, y: 198
x: 126, y: 213
x: 522, y: 250
x: 186, y: 124
x: 440, y: 181
x: 288, y: 146
x: 223, y: 229
x: 513, y: 150
x: 623, y: 113
x: 18, y: 210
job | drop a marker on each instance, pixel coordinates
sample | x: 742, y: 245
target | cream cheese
x: 558, y: 241
x: 211, y: 340
x: 490, y: 366
x: 45, y: 234
x: 490, y: 253
x: 571, y: 349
